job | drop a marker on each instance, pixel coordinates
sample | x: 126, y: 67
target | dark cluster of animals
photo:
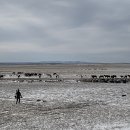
x: 93, y: 78
x: 108, y: 79
x: 30, y: 74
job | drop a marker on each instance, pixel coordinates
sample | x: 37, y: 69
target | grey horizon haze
x: 65, y: 30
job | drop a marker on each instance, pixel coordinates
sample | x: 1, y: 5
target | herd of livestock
x: 21, y: 76
x: 107, y: 79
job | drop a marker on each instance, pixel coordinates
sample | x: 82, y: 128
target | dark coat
x: 18, y: 95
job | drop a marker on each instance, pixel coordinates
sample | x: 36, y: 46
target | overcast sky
x: 65, y: 30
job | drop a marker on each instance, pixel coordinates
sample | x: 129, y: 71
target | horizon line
x: 62, y: 62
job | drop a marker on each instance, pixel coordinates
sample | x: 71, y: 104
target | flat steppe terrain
x: 66, y: 105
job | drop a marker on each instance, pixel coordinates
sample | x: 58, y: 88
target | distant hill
x: 42, y: 62
x: 63, y: 62
x: 53, y: 62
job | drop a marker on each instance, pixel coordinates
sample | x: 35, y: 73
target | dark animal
x: 93, y: 76
x: 107, y: 76
x: 1, y: 76
x: 30, y: 74
x: 57, y: 76
x: 123, y: 95
x: 18, y: 76
x: 19, y: 73
x: 129, y: 76
x: 39, y: 75
x: 113, y: 76
x: 101, y: 76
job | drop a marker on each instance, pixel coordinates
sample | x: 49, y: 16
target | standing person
x: 18, y: 96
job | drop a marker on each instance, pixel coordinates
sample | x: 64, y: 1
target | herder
x: 18, y: 96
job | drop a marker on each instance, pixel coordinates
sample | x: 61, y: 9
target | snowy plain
x: 67, y: 105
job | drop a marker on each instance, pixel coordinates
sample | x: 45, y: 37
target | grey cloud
x: 80, y: 28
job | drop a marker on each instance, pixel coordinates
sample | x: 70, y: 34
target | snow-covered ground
x: 65, y: 105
